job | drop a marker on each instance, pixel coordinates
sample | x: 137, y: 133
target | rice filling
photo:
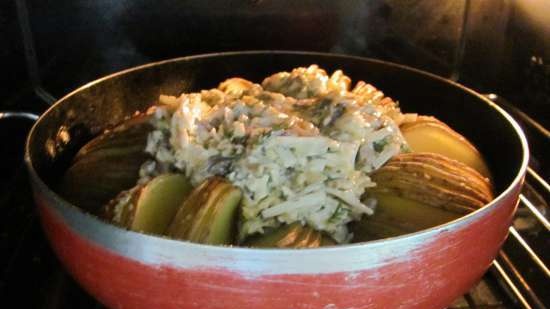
x: 300, y: 146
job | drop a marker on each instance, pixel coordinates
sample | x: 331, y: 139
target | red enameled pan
x: 124, y: 269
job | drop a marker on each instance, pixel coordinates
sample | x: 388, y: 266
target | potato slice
x: 149, y: 208
x: 396, y: 215
x: 107, y: 165
x: 208, y: 216
x: 428, y: 134
x: 235, y: 85
x: 293, y: 235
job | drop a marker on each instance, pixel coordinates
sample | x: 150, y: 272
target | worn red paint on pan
x: 432, y: 276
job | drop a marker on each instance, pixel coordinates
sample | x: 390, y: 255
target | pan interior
x: 84, y: 113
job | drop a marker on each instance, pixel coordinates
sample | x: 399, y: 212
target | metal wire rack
x: 519, y: 276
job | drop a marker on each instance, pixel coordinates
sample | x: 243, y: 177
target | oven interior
x: 499, y: 48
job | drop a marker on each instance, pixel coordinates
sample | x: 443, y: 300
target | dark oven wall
x: 507, y: 51
x: 77, y: 41
x: 498, y: 46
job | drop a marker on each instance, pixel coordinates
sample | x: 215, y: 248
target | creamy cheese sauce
x: 300, y: 146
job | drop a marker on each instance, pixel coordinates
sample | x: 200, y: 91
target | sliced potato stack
x: 208, y: 215
x: 443, y: 178
x: 420, y: 190
x: 107, y: 165
x: 149, y: 208
x: 397, y: 216
x: 167, y: 205
x: 434, y: 180
x: 294, y: 235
